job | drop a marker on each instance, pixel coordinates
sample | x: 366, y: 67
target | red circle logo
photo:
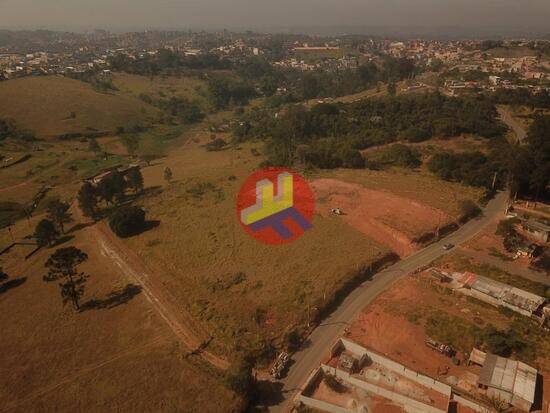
x: 275, y: 205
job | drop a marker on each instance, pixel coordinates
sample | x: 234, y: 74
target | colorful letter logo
x: 275, y: 205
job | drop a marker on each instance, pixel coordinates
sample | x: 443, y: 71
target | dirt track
x: 176, y: 317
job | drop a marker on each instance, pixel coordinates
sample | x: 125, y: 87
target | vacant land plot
x: 116, y: 355
x: 160, y: 87
x: 398, y: 322
x: 418, y: 186
x: 55, y: 105
x: 390, y: 219
x: 243, y: 291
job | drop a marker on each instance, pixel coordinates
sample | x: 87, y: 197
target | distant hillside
x: 55, y: 105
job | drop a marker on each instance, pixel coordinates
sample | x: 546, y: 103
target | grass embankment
x: 54, y: 105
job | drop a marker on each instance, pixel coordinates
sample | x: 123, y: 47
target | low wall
x: 398, y: 368
x: 324, y: 406
x: 410, y: 405
x: 472, y: 405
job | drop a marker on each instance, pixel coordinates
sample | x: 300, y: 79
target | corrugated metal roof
x: 526, y: 382
x: 510, y: 376
x: 523, y: 299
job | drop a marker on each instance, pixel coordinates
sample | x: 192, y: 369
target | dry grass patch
x: 243, y: 291
x: 119, y: 358
x: 44, y: 105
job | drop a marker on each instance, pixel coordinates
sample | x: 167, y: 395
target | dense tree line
x: 300, y: 85
x: 224, y: 91
x: 470, y: 168
x: 529, y: 164
x: 331, y: 135
x: 95, y: 79
x: 522, y: 97
x: 185, y: 110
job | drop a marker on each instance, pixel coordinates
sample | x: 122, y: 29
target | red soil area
x: 390, y: 219
x: 395, y: 337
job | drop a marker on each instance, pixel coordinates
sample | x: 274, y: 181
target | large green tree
x: 112, y: 187
x: 87, y: 200
x: 127, y: 220
x: 58, y: 212
x: 45, y: 233
x: 135, y: 179
x: 62, y: 266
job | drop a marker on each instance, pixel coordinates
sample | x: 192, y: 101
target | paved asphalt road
x: 326, y: 334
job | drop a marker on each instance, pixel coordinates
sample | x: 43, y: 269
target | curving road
x: 507, y: 118
x: 320, y: 340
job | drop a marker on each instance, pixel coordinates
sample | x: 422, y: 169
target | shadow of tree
x: 80, y: 226
x: 8, y: 285
x: 268, y: 393
x: 114, y: 299
x: 62, y: 240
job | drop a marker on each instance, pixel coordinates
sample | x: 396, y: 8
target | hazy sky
x: 257, y: 14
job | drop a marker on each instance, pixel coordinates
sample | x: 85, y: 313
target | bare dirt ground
x: 418, y: 185
x: 395, y: 325
x: 387, y: 218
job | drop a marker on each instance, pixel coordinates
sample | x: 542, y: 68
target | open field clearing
x: 398, y: 322
x: 390, y: 219
x: 43, y: 105
x: 243, y: 291
x: 420, y: 186
x: 458, y: 144
x: 160, y: 87
x: 115, y: 355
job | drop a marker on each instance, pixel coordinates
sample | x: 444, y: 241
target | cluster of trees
x: 395, y: 155
x: 331, y: 135
x: 185, y: 110
x: 302, y: 86
x: 526, y: 168
x: 224, y: 91
x: 512, y: 239
x: 47, y: 231
x: 529, y: 164
x: 470, y: 168
x: 502, y: 342
x: 98, y: 82
x: 127, y: 221
x: 522, y: 97
x: 111, y: 189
